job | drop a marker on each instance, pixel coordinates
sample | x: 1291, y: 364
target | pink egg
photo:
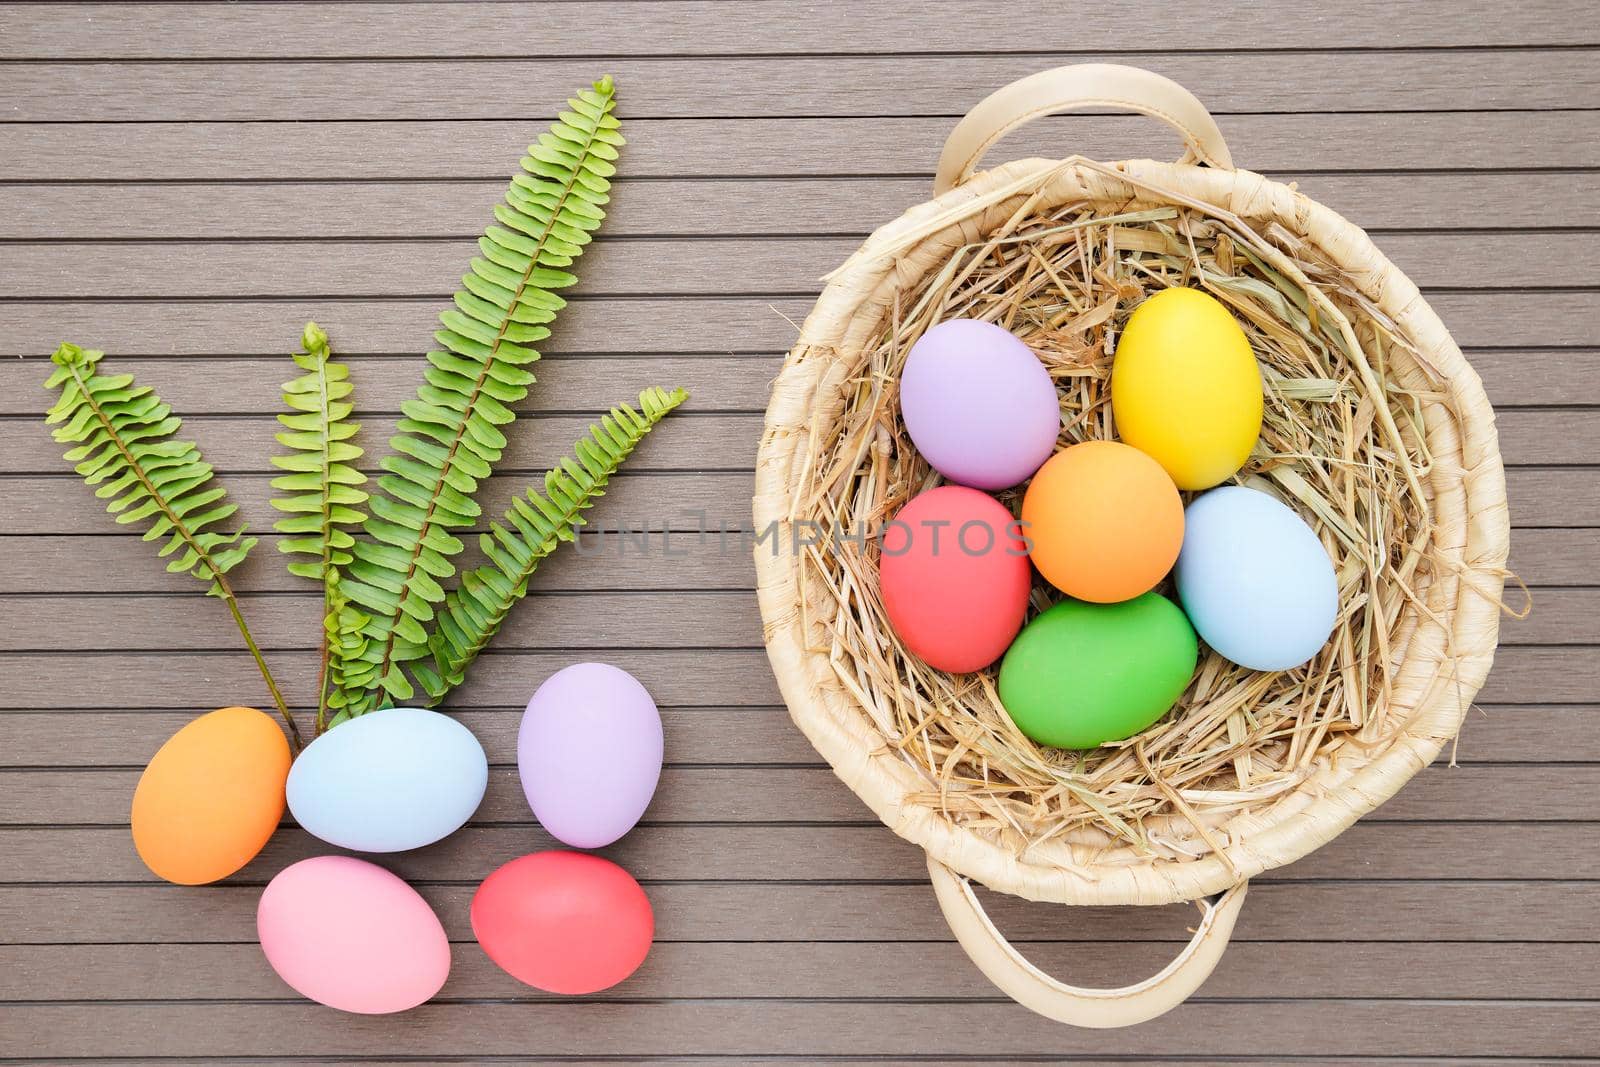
x: 347, y: 933
x: 978, y: 404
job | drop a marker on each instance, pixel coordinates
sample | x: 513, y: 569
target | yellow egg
x: 1185, y: 388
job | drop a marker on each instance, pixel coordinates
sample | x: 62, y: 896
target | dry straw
x: 1376, y: 431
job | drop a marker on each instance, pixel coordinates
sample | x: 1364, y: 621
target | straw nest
x: 1342, y: 443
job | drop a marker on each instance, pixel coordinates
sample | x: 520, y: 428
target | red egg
x: 954, y: 575
x: 564, y: 922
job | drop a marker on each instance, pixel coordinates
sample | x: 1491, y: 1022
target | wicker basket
x: 1444, y: 635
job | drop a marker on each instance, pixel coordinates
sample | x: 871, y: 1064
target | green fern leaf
x: 451, y: 434
x: 535, y: 526
x: 325, y: 495
x: 123, y: 446
x: 125, y: 451
x: 348, y: 670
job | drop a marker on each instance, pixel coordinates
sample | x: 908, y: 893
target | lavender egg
x: 978, y: 404
x: 589, y: 753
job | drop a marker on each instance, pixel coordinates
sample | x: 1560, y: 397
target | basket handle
x: 1083, y: 85
x: 1024, y: 983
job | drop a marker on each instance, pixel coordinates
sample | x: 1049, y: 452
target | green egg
x: 1083, y: 674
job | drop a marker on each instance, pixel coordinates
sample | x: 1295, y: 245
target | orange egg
x: 211, y: 797
x: 1104, y: 520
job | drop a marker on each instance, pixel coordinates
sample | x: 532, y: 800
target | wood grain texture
x: 1540, y: 496
x: 748, y: 736
x: 654, y: 266
x: 780, y: 86
x: 710, y: 440
x: 670, y: 560
x: 1564, y: 797
x: 854, y: 147
x: 1516, y: 321
x: 703, y: 27
x: 822, y: 854
x: 736, y: 677
x: 745, y: 1027
x: 685, y: 618
x: 701, y: 207
x: 835, y: 970
x: 779, y: 912
x: 185, y: 184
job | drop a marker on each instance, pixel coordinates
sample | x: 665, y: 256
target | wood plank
x: 642, y: 267
x: 679, y: 619
x: 1518, y: 323
x: 707, y: 440
x: 764, y: 736
x: 783, y: 912
x: 1565, y: 851
x: 208, y: 386
x: 50, y: 31
x: 742, y: 1028
x: 735, y: 678
x: 694, y: 792
x: 1542, y: 557
x: 638, y: 267
x: 596, y: 620
x: 611, y: 327
x: 827, y: 971
x: 857, y: 147
x: 205, y: 386
x: 751, y: 735
x: 634, y: 500
x: 745, y: 87
x: 1540, y: 496
x: 732, y: 678
x: 604, y: 559
x: 700, y: 441
x: 706, y: 207
x: 912, y: 1061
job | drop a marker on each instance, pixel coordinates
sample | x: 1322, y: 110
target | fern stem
x: 261, y: 663
x: 329, y: 578
x: 322, y: 680
x: 477, y: 388
x: 192, y: 541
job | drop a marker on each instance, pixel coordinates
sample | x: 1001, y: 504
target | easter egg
x: 1083, y: 674
x: 211, y: 797
x: 564, y: 922
x: 1255, y: 580
x: 954, y: 577
x: 388, y: 781
x: 1104, y: 521
x: 978, y: 404
x: 348, y: 934
x: 589, y: 753
x: 1185, y: 387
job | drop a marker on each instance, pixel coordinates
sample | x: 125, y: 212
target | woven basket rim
x: 1442, y: 669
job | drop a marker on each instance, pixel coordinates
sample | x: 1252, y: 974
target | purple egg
x: 978, y: 404
x: 589, y: 753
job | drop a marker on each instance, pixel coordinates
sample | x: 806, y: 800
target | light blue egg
x: 1254, y: 580
x: 388, y: 781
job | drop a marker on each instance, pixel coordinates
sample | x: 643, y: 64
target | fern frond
x: 325, y: 495
x: 325, y: 498
x: 124, y: 448
x: 533, y: 528
x: 126, y: 452
x: 347, y: 670
x: 451, y: 435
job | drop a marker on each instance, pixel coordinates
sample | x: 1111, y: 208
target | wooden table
x: 185, y: 185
